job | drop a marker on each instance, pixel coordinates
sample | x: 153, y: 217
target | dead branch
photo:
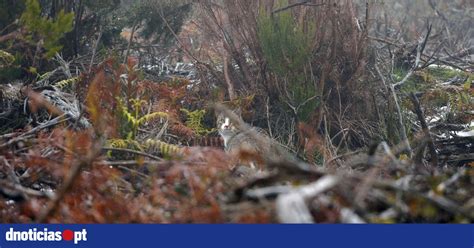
x: 391, y: 88
x: 96, y: 44
x: 267, y: 192
x: 350, y: 217
x: 419, y: 50
x: 425, y: 128
x: 28, y: 135
x: 71, y: 177
x: 10, y: 171
x: 305, y: 3
x: 230, y: 84
x: 19, y: 189
x: 442, y: 60
x: 454, y: 178
x: 292, y: 208
x: 437, y: 200
x: 11, y: 36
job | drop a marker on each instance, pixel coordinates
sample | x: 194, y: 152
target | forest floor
x: 59, y: 164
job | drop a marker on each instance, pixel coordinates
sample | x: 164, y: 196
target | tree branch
x: 306, y: 3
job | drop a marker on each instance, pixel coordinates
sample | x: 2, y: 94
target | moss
x: 444, y: 74
x: 417, y: 82
x: 423, y: 80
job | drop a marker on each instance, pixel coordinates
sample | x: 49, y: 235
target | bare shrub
x: 328, y: 85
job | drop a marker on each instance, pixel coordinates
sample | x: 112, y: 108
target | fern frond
x: 195, y: 121
x: 6, y: 59
x: 165, y: 149
x: 117, y: 143
x: 125, y: 143
x: 63, y: 83
x: 150, y: 117
x: 129, y: 116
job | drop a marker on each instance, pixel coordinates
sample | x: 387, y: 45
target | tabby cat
x: 242, y: 144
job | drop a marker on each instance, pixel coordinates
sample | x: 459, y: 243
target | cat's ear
x: 238, y: 112
x: 218, y: 114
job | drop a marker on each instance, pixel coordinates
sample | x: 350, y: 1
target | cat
x: 248, y: 146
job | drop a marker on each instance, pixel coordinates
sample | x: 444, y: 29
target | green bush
x: 44, y: 29
x: 286, y: 45
x: 287, y: 48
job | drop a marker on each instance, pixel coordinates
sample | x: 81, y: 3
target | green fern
x: 63, y: 83
x: 195, y: 121
x: 150, y: 117
x: 6, y: 59
x: 133, y: 119
x: 124, y: 143
x: 165, y: 149
x: 153, y: 146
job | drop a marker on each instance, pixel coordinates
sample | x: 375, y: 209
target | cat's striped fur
x: 242, y: 144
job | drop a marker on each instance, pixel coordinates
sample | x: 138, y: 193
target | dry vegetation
x: 373, y: 111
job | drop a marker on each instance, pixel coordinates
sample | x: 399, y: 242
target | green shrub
x: 287, y: 48
x: 43, y: 29
x: 286, y: 45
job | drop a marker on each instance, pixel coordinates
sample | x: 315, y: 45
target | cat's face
x: 225, y: 127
